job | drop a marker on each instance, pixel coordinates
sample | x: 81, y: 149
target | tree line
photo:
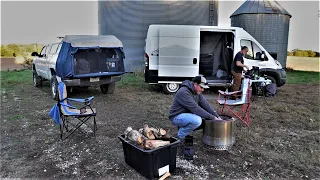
x: 13, y: 50
x: 303, y: 53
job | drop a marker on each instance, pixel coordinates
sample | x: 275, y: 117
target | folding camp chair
x: 240, y: 108
x: 71, y: 118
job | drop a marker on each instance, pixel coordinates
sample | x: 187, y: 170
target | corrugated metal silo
x: 268, y: 23
x: 129, y: 21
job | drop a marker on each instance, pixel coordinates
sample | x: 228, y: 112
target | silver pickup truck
x: 80, y: 60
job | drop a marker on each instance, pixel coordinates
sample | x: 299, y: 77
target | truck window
x: 43, y: 51
x: 54, y: 48
x: 247, y: 43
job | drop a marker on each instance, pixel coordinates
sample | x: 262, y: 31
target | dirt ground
x: 281, y: 143
x: 9, y: 64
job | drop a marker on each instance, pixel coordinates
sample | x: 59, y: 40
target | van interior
x: 216, y: 56
x: 98, y: 60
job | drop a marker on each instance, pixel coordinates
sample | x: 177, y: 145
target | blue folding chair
x: 69, y: 117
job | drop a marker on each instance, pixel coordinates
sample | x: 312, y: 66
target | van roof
x: 212, y: 27
x: 93, y: 41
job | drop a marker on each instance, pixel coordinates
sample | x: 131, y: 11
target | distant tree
x: 311, y: 53
x: 298, y: 53
x: 290, y: 54
x: 6, y: 52
x: 305, y: 53
x: 15, y: 48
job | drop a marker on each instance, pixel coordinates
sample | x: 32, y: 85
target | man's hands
x: 245, y: 68
x: 218, y: 118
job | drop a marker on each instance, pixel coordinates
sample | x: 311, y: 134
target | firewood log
x: 147, y: 132
x: 133, y: 135
x: 153, y: 144
x: 158, y: 133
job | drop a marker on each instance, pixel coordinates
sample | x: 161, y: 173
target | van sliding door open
x: 179, y: 51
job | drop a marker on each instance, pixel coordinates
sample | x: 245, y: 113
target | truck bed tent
x: 95, y: 54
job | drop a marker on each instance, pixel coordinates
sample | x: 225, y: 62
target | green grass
x: 135, y: 79
x: 11, y: 78
x: 302, y: 77
x: 15, y: 117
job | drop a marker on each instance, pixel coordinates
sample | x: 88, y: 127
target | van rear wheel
x: 170, y: 88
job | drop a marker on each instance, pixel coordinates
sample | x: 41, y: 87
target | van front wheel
x: 272, y: 79
x: 170, y: 88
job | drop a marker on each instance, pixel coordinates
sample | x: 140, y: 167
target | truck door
x: 41, y: 60
x: 179, y: 51
x: 51, y: 59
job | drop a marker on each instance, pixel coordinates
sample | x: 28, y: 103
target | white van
x: 174, y: 53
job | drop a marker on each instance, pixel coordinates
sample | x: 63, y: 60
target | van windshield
x: 98, y: 60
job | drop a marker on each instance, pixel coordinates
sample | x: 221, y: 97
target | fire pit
x: 219, y: 134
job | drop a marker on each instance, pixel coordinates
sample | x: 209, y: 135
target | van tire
x: 54, y: 88
x: 37, y: 80
x: 273, y: 80
x: 108, y: 88
x: 170, y: 88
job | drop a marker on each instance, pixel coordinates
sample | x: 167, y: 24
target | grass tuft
x: 302, y: 77
x: 11, y: 78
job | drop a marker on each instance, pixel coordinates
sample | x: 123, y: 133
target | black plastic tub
x: 151, y: 163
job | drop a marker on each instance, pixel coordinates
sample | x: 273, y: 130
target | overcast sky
x: 41, y: 22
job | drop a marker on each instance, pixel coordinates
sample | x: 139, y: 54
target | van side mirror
x: 263, y: 56
x: 34, y: 54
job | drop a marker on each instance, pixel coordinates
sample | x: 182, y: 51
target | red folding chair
x: 239, y: 108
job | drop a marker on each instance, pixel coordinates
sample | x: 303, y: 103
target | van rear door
x: 179, y: 51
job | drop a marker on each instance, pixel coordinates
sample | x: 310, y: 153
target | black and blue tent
x: 83, y: 56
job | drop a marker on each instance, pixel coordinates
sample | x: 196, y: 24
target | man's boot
x: 188, y: 148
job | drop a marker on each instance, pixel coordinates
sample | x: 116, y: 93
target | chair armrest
x: 228, y: 93
x: 81, y: 100
x: 68, y: 105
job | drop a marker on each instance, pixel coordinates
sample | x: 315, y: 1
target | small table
x: 259, y: 84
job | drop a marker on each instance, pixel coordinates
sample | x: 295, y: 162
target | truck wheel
x: 37, y: 80
x: 54, y: 88
x: 108, y: 88
x: 170, y: 88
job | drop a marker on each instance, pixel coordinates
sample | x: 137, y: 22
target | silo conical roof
x: 260, y: 7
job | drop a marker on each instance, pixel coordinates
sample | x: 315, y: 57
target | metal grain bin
x: 129, y: 21
x: 268, y: 23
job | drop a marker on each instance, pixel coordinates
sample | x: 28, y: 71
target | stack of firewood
x: 148, y: 137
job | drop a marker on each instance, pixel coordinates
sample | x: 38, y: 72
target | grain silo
x: 129, y: 21
x: 268, y: 23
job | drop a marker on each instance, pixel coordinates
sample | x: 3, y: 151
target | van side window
x: 257, y: 52
x: 247, y: 43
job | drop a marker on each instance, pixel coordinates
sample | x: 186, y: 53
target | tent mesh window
x: 98, y: 60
